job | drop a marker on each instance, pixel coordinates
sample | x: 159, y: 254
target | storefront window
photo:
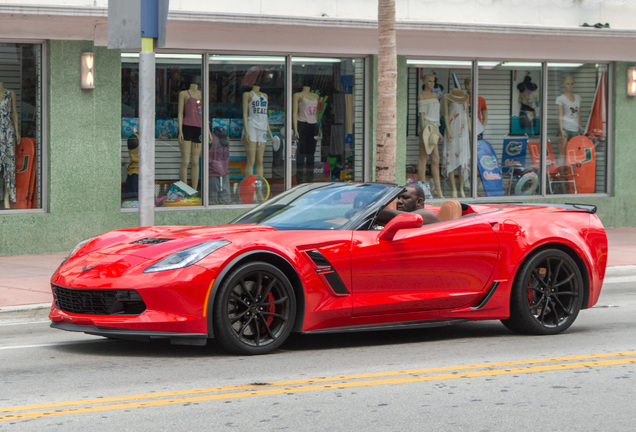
x: 20, y: 126
x: 327, y: 119
x: 249, y: 157
x: 439, y: 149
x: 577, y: 128
x: 509, y: 139
x: 247, y: 119
x: 510, y: 93
x: 178, y: 125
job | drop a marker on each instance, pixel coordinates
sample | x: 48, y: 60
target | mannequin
x: 219, y: 157
x: 457, y: 140
x: 569, y: 106
x: 9, y: 139
x: 482, y: 109
x: 429, y: 112
x: 305, y: 124
x: 190, y: 123
x: 132, y: 178
x: 256, y: 130
x: 528, y: 105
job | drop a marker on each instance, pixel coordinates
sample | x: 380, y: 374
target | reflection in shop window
x: 20, y: 126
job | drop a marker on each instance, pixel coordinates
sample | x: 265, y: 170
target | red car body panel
x: 460, y: 269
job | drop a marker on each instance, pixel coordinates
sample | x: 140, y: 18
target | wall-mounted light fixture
x: 631, y: 81
x: 87, y: 71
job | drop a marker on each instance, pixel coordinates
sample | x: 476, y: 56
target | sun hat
x: 457, y: 95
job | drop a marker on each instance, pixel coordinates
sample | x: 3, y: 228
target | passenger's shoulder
x: 428, y: 216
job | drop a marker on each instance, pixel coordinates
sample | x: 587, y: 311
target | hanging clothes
x: 457, y: 150
x: 8, y: 141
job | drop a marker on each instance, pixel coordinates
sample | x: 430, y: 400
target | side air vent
x: 151, y: 241
x: 327, y: 272
x: 318, y: 258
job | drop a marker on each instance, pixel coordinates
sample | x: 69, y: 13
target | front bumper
x: 134, y: 335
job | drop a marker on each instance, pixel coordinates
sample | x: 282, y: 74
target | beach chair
x: 556, y: 174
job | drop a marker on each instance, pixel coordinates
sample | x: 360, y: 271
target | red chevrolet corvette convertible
x: 314, y: 260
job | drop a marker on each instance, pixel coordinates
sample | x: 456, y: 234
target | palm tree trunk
x: 386, y: 126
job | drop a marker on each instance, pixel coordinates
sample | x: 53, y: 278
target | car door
x: 438, y: 266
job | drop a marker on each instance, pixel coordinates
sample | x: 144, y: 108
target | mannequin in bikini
x: 256, y: 130
x: 428, y: 109
x: 569, y: 106
x: 9, y: 139
x: 190, y: 123
x: 305, y: 124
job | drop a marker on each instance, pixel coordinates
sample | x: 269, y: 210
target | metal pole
x: 147, y: 133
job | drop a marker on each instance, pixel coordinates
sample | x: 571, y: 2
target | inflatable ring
x: 254, y: 190
x: 527, y: 184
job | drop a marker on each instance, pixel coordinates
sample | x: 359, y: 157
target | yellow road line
x: 339, y: 382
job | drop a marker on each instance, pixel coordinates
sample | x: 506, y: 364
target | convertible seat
x: 451, y: 209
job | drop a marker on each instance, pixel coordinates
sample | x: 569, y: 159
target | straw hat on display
x: 457, y: 95
x: 430, y: 137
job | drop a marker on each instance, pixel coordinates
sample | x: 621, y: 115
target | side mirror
x: 400, y: 222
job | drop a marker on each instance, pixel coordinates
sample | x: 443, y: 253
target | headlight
x: 186, y: 257
x: 76, y: 248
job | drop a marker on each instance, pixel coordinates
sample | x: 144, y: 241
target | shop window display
x: 577, y: 127
x: 249, y: 157
x: 247, y: 115
x: 328, y: 104
x: 439, y: 150
x: 512, y: 92
x: 20, y: 122
x: 508, y: 137
x: 178, y: 129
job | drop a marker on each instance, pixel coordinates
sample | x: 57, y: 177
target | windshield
x: 320, y: 206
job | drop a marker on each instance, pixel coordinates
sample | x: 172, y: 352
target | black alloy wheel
x: 547, y: 294
x: 254, y: 310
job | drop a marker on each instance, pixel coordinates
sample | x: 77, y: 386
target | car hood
x: 159, y: 241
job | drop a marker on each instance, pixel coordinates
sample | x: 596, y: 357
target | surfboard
x: 489, y: 169
x: 24, y: 173
x: 580, y: 153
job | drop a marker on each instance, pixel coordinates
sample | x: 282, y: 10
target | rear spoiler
x: 590, y: 208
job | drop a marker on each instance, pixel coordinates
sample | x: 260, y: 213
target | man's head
x: 411, y: 198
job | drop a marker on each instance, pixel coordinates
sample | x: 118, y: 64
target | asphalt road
x: 472, y: 377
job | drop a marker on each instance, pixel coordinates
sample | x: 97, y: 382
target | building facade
x: 255, y: 97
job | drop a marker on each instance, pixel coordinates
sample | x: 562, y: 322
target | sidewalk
x: 24, y: 279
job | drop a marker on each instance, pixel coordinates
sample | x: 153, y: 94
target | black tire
x: 547, y: 294
x: 254, y: 310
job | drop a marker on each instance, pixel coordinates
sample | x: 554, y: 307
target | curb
x: 25, y: 312
x: 626, y: 270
